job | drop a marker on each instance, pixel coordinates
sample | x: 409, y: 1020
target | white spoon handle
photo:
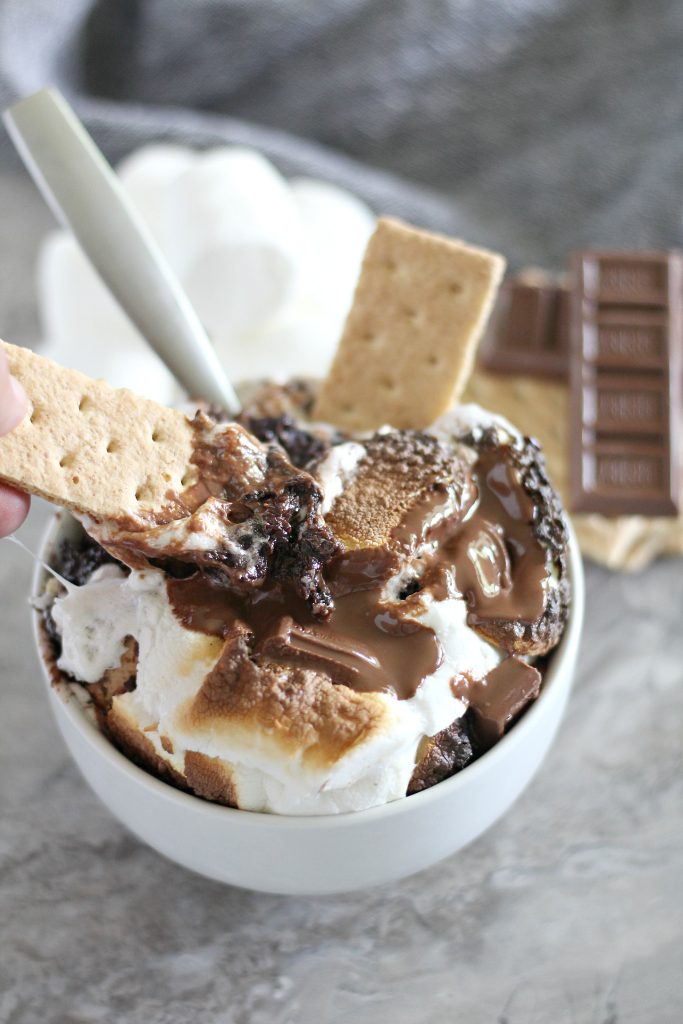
x: 85, y: 194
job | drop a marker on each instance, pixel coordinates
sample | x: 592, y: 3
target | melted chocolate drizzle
x: 267, y: 513
x: 484, y: 549
x: 492, y: 558
x: 364, y: 644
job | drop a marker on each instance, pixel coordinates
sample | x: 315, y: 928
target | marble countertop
x: 569, y: 910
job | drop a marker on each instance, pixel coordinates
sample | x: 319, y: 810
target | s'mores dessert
x: 342, y: 598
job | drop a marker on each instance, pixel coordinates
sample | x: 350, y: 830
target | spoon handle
x: 84, y: 193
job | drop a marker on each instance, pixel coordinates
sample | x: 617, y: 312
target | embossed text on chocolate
x: 626, y: 333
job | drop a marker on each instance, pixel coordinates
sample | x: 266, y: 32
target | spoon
x: 85, y: 194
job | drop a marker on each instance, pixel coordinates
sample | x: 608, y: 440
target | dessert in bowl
x: 310, y: 854
x: 305, y: 621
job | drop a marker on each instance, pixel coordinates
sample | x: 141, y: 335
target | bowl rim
x: 565, y: 651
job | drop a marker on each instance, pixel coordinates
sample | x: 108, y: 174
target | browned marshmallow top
x: 422, y: 520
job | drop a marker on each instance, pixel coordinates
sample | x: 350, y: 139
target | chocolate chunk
x: 52, y: 633
x: 445, y: 754
x: 303, y: 543
x: 529, y: 329
x: 627, y: 325
x: 301, y: 446
x: 498, y: 700
x: 339, y: 658
x: 77, y: 562
x: 263, y: 517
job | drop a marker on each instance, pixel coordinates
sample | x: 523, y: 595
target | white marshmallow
x: 269, y: 266
x: 336, y: 471
x: 337, y: 225
x: 299, y: 343
x: 174, y: 662
x: 241, y: 239
x: 470, y: 416
x: 146, y: 175
x: 83, y: 616
x: 85, y: 327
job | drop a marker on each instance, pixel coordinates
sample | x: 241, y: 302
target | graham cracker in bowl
x: 408, y: 346
x: 92, y: 448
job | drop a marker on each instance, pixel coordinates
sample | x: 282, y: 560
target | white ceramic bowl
x: 330, y: 853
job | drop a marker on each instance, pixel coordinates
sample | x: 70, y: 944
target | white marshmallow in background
x: 337, y: 226
x: 85, y: 328
x: 240, y: 238
x: 146, y: 175
x: 269, y: 266
x: 300, y: 343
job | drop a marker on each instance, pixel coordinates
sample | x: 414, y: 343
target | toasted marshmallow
x: 336, y: 471
x: 285, y: 740
x: 238, y: 720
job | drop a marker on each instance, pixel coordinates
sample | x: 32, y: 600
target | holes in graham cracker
x: 185, y: 479
x: 113, y: 446
x: 432, y: 359
x: 387, y: 383
x: 84, y: 404
x: 143, y: 491
x: 455, y: 288
x: 35, y: 415
x: 157, y: 435
x: 66, y: 462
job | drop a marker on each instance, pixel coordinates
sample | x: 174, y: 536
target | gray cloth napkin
x: 534, y: 126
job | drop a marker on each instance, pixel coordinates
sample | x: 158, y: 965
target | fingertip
x: 13, y: 510
x: 19, y: 394
x: 15, y: 406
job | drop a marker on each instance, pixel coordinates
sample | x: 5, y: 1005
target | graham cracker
x: 408, y: 346
x: 91, y: 448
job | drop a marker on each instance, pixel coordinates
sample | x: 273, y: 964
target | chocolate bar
x: 529, y: 329
x: 625, y: 371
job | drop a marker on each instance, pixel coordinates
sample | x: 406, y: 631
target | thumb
x: 13, y: 401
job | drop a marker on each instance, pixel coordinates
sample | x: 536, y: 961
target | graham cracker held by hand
x: 408, y: 347
x: 91, y: 448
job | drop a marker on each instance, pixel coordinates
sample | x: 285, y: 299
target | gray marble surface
x: 569, y: 910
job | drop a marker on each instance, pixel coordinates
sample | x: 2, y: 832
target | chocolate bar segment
x: 626, y: 278
x: 529, y: 329
x: 627, y: 331
x: 632, y: 335
x: 496, y: 701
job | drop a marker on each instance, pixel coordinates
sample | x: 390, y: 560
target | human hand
x: 13, y: 404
